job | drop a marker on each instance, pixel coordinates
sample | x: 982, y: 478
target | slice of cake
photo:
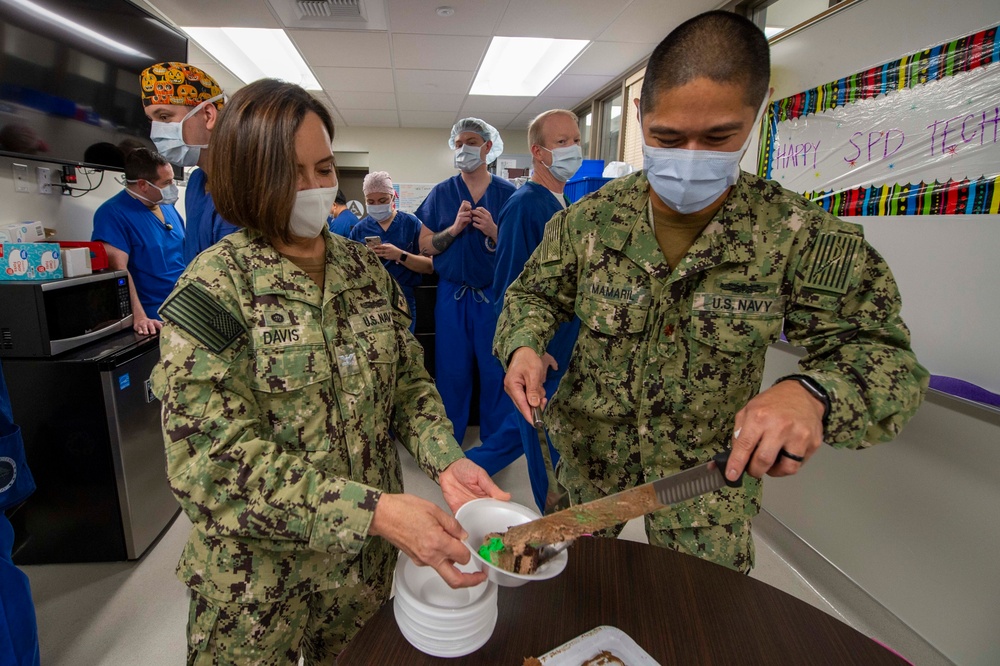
x: 523, y: 559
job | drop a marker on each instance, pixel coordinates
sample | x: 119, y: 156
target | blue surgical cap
x: 483, y: 129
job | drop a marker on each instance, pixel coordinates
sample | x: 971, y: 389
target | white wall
x: 913, y: 522
x: 945, y: 265
x: 409, y: 155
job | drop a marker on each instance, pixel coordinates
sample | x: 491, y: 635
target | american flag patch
x: 549, y: 247
x: 832, y: 262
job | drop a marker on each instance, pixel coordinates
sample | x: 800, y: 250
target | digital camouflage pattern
x: 666, y: 358
x: 278, y: 397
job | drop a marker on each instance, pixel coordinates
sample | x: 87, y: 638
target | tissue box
x: 30, y: 261
x: 23, y: 232
x: 76, y: 261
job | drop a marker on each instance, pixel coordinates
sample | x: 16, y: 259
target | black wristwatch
x: 402, y: 257
x: 817, y: 391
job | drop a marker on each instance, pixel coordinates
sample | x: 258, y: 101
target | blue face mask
x: 467, y: 158
x: 380, y: 212
x: 566, y: 161
x: 690, y: 180
x: 169, y: 139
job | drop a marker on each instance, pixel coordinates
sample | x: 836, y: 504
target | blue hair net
x: 483, y: 129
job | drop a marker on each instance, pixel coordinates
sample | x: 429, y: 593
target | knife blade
x: 623, y: 506
x: 556, y: 498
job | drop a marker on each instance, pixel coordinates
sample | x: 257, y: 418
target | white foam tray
x: 589, y: 645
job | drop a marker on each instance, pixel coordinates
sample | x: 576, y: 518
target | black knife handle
x: 721, y: 460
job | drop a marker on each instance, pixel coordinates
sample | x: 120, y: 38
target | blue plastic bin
x: 577, y: 188
x: 589, y: 169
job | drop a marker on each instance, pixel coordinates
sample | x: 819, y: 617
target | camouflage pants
x: 316, y: 626
x: 730, y: 545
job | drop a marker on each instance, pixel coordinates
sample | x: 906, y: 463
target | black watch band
x: 817, y: 391
x: 402, y: 257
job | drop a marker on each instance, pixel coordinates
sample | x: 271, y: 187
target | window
x: 611, y: 124
x: 777, y: 17
x: 586, y: 122
x: 632, y: 145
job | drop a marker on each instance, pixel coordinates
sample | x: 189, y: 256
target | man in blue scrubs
x: 143, y: 234
x: 341, y: 220
x: 394, y: 236
x: 183, y: 103
x: 554, y: 138
x: 460, y: 233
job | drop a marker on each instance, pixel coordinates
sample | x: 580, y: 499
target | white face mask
x: 310, y: 211
x: 467, y: 158
x: 380, y: 212
x: 690, y: 180
x: 168, y: 194
x: 169, y: 139
x: 565, y: 161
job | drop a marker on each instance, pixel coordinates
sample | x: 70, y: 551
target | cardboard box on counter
x: 30, y: 261
x: 22, y: 232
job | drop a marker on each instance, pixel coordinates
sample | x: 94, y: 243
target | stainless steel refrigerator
x: 92, y: 435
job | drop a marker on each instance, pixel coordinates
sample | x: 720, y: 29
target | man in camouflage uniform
x: 682, y: 287
x: 279, y: 393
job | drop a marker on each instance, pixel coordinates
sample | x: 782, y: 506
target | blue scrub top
x: 404, y: 233
x: 155, y: 254
x: 521, y: 226
x: 471, y: 259
x: 343, y: 223
x: 205, y: 227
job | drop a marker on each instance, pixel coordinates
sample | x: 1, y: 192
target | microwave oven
x: 49, y: 317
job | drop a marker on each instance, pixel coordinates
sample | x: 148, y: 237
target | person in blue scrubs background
x: 18, y: 627
x: 183, y: 115
x: 459, y: 232
x: 143, y: 234
x: 554, y: 140
x: 398, y: 235
x: 341, y: 220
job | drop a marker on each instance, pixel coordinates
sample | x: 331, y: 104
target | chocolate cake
x: 604, y: 658
x: 523, y: 559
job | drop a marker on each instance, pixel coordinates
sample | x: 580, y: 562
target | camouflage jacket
x: 666, y: 358
x: 278, y: 397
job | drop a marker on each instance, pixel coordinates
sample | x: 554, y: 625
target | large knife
x: 556, y: 497
x: 599, y: 514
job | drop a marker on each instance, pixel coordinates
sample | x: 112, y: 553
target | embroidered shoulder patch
x: 195, y: 311
x: 398, y: 299
x: 831, y: 263
x: 549, y: 248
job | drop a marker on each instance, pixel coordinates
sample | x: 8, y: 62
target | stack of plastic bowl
x: 480, y: 517
x: 438, y: 620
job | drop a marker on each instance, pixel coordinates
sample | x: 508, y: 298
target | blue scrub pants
x: 18, y: 631
x: 464, y: 323
x: 411, y: 302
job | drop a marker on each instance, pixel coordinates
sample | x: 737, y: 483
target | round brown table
x: 679, y: 609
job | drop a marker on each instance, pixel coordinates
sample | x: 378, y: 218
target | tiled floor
x: 135, y: 612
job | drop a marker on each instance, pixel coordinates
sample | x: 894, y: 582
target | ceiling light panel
x: 255, y: 53
x: 523, y: 66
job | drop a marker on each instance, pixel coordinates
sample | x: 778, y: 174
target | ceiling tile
x: 438, y: 51
x: 440, y: 119
x: 566, y: 19
x: 370, y: 117
x: 229, y: 14
x: 569, y: 85
x: 495, y: 119
x: 346, y: 79
x: 609, y: 58
x: 433, y: 81
x: 429, y: 102
x: 471, y: 17
x: 547, y: 102
x: 519, y: 123
x: 330, y: 48
x: 485, y: 103
x: 364, y: 100
x: 648, y: 21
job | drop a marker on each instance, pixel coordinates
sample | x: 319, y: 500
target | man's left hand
x: 464, y: 480
x: 483, y: 220
x: 388, y: 251
x: 785, y: 416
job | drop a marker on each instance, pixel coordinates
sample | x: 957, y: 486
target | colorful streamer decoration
x: 962, y: 193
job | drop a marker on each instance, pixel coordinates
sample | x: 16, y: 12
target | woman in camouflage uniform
x: 286, y: 360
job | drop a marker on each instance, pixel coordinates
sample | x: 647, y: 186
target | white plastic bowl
x: 437, y: 619
x: 479, y: 517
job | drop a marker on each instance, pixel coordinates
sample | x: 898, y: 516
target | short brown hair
x: 536, y: 128
x: 253, y: 173
x: 144, y: 164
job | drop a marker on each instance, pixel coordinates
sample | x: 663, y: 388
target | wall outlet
x: 21, y: 178
x: 44, y: 177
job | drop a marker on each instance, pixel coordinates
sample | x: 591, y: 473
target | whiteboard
x: 947, y: 267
